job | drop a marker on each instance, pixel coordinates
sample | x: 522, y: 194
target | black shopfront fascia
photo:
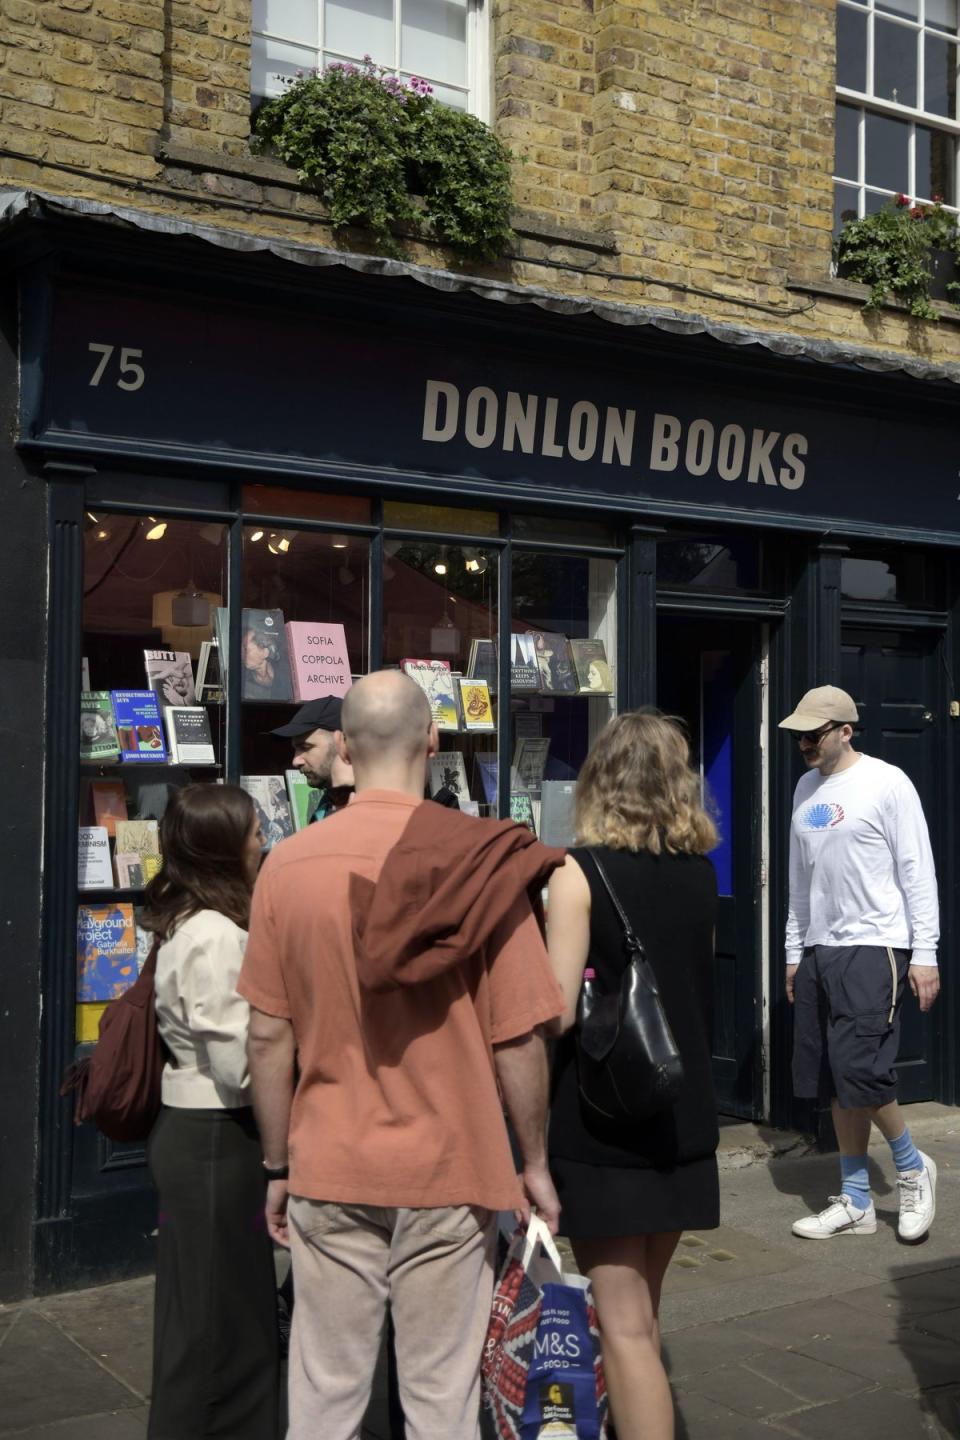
x: 343, y: 382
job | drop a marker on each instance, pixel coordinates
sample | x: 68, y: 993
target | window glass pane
x: 271, y: 60
x: 873, y: 202
x: 433, y: 39
x: 886, y: 163
x: 851, y: 49
x: 293, y: 19
x: 895, y: 62
x: 305, y: 504
x: 845, y: 165
x: 844, y: 205
x: 941, y: 14
x: 940, y: 76
x: 707, y: 564
x: 935, y: 164
x: 904, y: 576
x: 909, y: 9
x: 564, y: 527
x: 440, y: 605
x: 449, y: 519
x: 360, y: 27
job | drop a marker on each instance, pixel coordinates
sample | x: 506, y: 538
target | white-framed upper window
x: 444, y: 42
x: 898, y: 123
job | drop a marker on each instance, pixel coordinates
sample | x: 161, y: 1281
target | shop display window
x: 703, y: 562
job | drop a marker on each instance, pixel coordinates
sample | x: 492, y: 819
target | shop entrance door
x: 708, y: 672
x: 894, y: 678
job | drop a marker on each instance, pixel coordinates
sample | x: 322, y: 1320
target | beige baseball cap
x: 820, y: 706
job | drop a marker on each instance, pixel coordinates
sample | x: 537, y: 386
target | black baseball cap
x: 315, y: 715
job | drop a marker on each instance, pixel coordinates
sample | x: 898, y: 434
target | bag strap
x: 538, y: 1233
x: 632, y: 940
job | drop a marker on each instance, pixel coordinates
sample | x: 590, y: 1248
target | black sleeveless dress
x: 660, y: 1174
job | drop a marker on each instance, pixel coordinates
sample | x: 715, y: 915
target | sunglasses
x: 815, y: 736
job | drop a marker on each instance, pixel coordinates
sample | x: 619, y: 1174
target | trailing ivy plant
x: 891, y: 251
x: 385, y: 153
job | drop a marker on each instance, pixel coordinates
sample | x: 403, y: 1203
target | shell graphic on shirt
x: 821, y: 816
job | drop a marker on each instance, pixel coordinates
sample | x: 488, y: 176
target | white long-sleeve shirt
x: 861, y: 867
x: 202, y: 1019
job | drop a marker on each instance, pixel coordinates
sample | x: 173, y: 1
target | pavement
x: 764, y: 1335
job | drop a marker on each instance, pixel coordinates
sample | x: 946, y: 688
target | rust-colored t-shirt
x: 397, y: 1101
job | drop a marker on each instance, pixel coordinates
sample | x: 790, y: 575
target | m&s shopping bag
x: 542, y: 1374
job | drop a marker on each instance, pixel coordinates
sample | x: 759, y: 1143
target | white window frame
x: 478, y: 87
x: 865, y: 102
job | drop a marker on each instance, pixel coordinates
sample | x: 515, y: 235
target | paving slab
x: 114, y: 1323
x: 46, y: 1377
x: 748, y: 1393
x: 115, y: 1425
x: 878, y: 1414
x: 908, y: 1296
x: 705, y: 1347
x: 809, y: 1380
x: 701, y: 1419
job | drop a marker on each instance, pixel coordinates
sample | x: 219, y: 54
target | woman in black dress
x: 627, y: 1190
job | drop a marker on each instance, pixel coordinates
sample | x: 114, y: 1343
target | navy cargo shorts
x: 846, y: 1025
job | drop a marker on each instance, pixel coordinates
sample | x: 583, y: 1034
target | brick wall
x: 673, y: 151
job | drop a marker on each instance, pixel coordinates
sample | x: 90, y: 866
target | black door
x: 893, y: 676
x: 708, y: 673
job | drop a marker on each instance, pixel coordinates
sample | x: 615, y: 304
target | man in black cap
x: 313, y: 730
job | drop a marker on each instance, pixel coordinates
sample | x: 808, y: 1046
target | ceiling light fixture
x: 440, y: 564
x: 257, y: 535
x: 157, y: 530
x: 474, y: 562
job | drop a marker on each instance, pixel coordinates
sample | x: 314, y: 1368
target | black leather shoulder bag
x: 628, y: 1061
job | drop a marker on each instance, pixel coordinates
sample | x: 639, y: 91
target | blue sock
x: 856, y: 1181
x: 905, y: 1154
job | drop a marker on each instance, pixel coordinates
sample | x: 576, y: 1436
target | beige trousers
x: 436, y: 1268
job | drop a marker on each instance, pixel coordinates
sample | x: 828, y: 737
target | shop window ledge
x: 833, y: 288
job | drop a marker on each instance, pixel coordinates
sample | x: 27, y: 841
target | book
x: 521, y: 809
x: 263, y: 655
x: 319, y: 663
x: 558, y: 800
x: 151, y: 799
x: 170, y: 676
x: 129, y: 867
x: 594, y: 676
x: 188, y: 735
x: 87, y: 1022
x: 84, y: 674
x: 524, y: 675
x: 482, y: 663
x: 94, y: 871
x: 209, y: 684
x: 303, y: 797
x: 448, y: 771
x: 221, y: 629
x: 475, y: 703
x: 109, y: 800
x: 268, y: 793
x: 557, y: 675
x: 138, y: 837
x: 470, y: 807
x: 486, y: 763
x: 139, y: 728
x: 527, y: 722
x: 98, y: 734
x: 144, y: 938
x: 106, y: 951
x: 530, y: 761
x: 152, y: 865
x: 436, y: 681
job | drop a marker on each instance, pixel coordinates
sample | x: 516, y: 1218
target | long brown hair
x: 637, y: 790
x: 202, y: 836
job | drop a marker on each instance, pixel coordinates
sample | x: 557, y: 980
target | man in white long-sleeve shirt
x: 863, y: 924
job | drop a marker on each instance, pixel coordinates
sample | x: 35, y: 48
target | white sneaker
x: 918, y: 1200
x: 841, y: 1217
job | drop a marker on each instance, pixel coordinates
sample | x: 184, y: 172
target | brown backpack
x: 118, y: 1086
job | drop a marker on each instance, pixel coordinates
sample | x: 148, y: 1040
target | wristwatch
x: 276, y: 1172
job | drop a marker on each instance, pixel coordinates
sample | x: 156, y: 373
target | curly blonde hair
x: 637, y: 790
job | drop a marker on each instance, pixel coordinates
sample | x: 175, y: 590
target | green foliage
x: 891, y: 251
x: 385, y: 154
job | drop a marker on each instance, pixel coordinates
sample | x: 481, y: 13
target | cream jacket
x: 202, y: 1019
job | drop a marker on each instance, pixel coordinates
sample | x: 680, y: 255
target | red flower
x: 918, y: 213
x: 938, y: 199
x: 902, y: 201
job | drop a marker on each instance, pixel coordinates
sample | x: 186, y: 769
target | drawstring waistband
x: 894, y: 982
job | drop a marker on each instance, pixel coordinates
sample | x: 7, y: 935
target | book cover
x: 106, y: 951
x: 319, y: 663
x: 144, y: 938
x: 209, y: 684
x: 486, y: 763
x: 470, y: 807
x: 521, y: 809
x: 129, y: 868
x: 303, y: 797
x: 109, y: 800
x: 530, y: 761
x: 557, y: 675
x: 448, y: 771
x: 87, y: 1023
x: 524, y: 675
x: 151, y: 799
x: 188, y: 734
x: 152, y: 865
x: 436, y: 681
x: 138, y: 837
x: 139, y: 728
x: 482, y: 664
x: 263, y: 655
x: 221, y: 631
x: 558, y: 800
x: 268, y: 793
x: 594, y: 676
x: 475, y: 702
x: 170, y: 676
x: 94, y: 871
x: 98, y: 735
